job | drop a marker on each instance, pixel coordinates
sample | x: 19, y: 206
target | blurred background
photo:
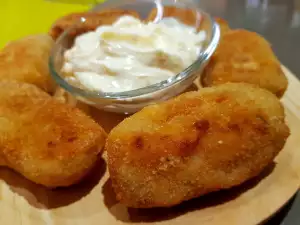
x: 270, y: 17
x: 19, y: 18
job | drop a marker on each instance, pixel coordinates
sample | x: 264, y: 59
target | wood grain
x: 92, y: 202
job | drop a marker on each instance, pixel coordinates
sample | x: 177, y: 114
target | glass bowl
x: 132, y: 101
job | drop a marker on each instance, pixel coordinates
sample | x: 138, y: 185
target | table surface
x: 279, y: 22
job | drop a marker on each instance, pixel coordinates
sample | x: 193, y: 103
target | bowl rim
x: 204, y: 55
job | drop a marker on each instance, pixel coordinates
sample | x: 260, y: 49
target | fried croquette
x: 48, y: 142
x: 244, y: 56
x: 93, y: 20
x: 26, y: 60
x: 196, y: 143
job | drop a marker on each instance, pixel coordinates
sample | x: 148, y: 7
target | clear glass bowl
x: 132, y: 101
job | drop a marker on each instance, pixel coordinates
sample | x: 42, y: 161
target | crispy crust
x: 93, y: 20
x: 26, y: 60
x: 48, y: 142
x: 183, y: 148
x: 244, y: 56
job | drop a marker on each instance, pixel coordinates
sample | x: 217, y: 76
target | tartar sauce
x: 130, y: 54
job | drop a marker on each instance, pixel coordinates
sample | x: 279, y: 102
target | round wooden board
x: 93, y: 202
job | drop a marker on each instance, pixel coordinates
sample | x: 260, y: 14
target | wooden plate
x: 93, y: 202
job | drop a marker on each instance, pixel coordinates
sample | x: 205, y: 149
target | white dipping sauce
x: 130, y: 54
